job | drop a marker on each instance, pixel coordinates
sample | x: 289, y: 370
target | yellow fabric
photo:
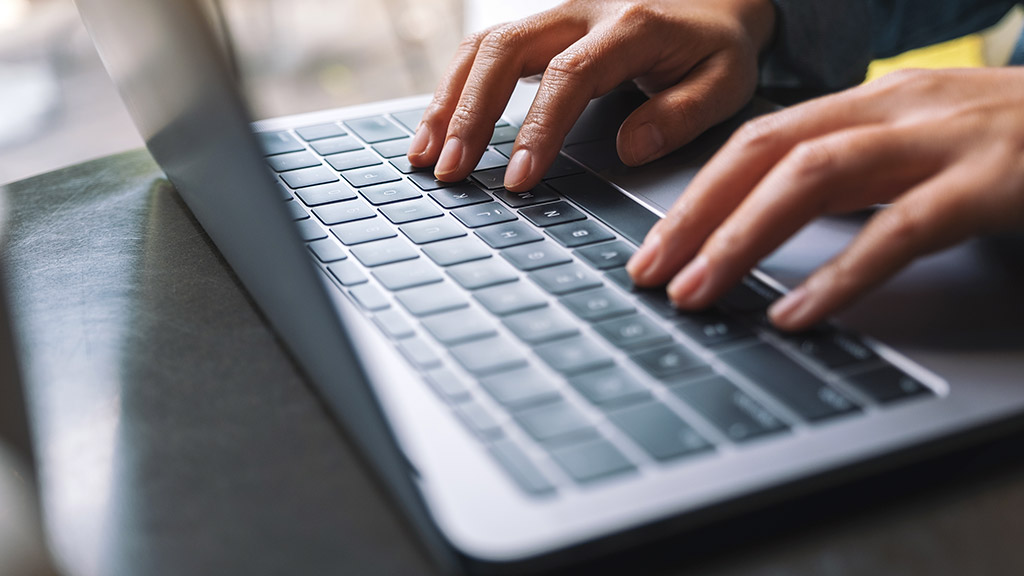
x: 966, y: 52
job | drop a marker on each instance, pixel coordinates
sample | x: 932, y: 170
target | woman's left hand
x: 945, y: 148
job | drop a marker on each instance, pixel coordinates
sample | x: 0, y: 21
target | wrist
x: 759, y: 18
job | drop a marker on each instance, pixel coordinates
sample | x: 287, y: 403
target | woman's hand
x: 946, y: 148
x: 696, y: 58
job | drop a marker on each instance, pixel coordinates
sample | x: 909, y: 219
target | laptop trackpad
x: 592, y: 143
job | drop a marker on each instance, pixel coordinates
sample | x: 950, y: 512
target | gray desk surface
x: 175, y: 436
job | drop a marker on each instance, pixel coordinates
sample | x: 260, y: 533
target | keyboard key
x: 555, y: 422
x: 370, y: 297
x: 327, y: 251
x: 504, y: 134
x: 580, y: 233
x: 487, y: 356
x: 320, y: 131
x: 309, y: 230
x: 460, y: 195
x: 566, y: 279
x: 552, y: 214
x: 347, y: 273
x: 611, y: 387
x: 293, y: 161
x: 402, y: 164
x: 374, y: 129
x: 535, y: 256
x: 394, y: 324
x: 592, y: 460
x: 352, y: 160
x: 296, y: 211
x: 361, y: 177
x: 459, y: 326
x: 659, y: 431
x: 608, y: 205
x: 419, y: 353
x: 538, y: 195
x: 607, y: 256
x: 518, y: 465
x: 576, y: 355
x: 435, y: 230
x: 669, y: 361
x: 542, y: 325
x: 713, y: 328
x: 479, y: 420
x: 343, y: 212
x: 432, y: 299
x: 411, y: 211
x: 792, y: 384
x: 888, y: 384
x: 482, y: 274
x: 326, y: 194
x: 449, y: 385
x: 633, y: 332
x: 483, y: 215
x: 406, y: 275
x: 336, y: 145
x: 390, y: 193
x: 490, y: 179
x: 425, y: 179
x: 456, y: 251
x: 363, y: 231
x: 832, y: 348
x: 309, y: 177
x: 511, y: 298
x: 506, y: 149
x: 521, y: 388
x: 384, y: 252
x: 491, y: 159
x: 598, y: 305
x: 410, y: 118
x: 393, y: 148
x: 284, y: 192
x: 508, y: 234
x: 729, y: 409
x: 278, y: 143
x: 749, y: 296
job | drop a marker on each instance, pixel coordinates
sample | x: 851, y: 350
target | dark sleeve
x: 828, y: 44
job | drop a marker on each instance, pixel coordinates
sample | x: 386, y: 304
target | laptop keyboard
x: 517, y: 310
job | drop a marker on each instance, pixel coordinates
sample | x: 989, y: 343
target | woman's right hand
x: 697, y: 59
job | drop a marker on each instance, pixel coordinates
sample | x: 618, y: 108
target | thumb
x: 712, y: 92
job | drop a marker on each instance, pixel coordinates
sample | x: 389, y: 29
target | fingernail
x: 639, y: 265
x: 646, y: 143
x: 451, y: 157
x: 791, y: 308
x: 689, y: 283
x: 518, y: 168
x: 420, y: 141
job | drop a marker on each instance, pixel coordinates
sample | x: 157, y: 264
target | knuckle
x: 570, y: 64
x: 902, y: 226
x: 464, y: 116
x: 636, y: 14
x: 813, y: 160
x: 503, y: 39
x: 758, y: 134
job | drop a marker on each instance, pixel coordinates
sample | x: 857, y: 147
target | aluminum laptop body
x: 962, y: 343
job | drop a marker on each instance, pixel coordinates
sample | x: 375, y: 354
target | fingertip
x: 640, y: 145
x: 794, y: 311
x: 420, y: 152
x: 519, y: 169
x: 690, y: 287
x: 450, y: 160
x: 640, y: 266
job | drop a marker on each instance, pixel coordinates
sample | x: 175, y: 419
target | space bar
x: 607, y: 204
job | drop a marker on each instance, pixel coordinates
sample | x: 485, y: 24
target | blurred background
x: 57, y: 106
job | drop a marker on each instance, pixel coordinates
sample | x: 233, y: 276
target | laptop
x: 525, y: 405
